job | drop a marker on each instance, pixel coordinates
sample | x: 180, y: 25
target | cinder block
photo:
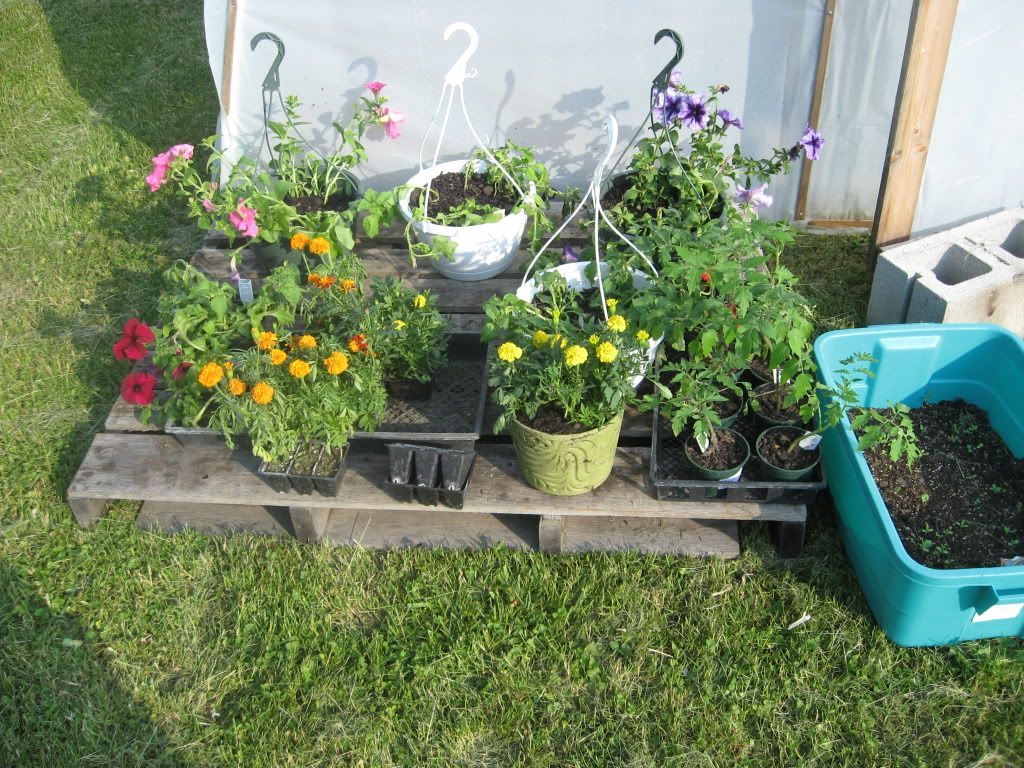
x: 970, y: 273
x: 966, y: 284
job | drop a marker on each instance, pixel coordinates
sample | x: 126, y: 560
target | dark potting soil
x: 450, y: 190
x: 728, y: 452
x: 760, y: 369
x: 775, y: 447
x: 312, y: 203
x: 276, y: 466
x: 962, y: 504
x: 552, y: 422
x: 769, y: 409
x: 329, y: 463
x: 305, y: 460
x: 730, y: 405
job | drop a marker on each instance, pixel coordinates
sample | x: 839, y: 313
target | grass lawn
x: 119, y: 648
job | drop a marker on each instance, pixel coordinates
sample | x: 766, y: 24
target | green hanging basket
x: 566, y: 465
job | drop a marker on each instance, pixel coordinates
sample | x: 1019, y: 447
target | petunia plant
x: 560, y: 362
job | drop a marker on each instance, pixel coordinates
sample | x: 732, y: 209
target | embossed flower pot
x: 566, y: 465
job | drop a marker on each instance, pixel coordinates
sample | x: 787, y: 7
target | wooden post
x: 815, y: 115
x: 229, y: 56
x: 917, y: 99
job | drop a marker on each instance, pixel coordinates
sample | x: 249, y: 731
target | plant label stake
x: 245, y: 293
x: 453, y: 83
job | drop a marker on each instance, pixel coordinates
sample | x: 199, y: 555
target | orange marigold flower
x: 277, y: 356
x: 307, y: 342
x: 358, y: 343
x: 228, y: 365
x: 319, y: 246
x: 347, y: 285
x: 314, y: 279
x: 262, y: 393
x: 299, y: 241
x: 326, y: 281
x: 336, y: 363
x: 237, y: 387
x: 210, y: 375
x: 298, y: 368
x: 267, y: 340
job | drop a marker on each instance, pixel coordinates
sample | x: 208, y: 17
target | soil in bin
x: 552, y: 422
x: 776, y: 446
x: 727, y: 453
x: 304, y: 204
x: 305, y: 460
x: 450, y: 190
x: 961, y: 504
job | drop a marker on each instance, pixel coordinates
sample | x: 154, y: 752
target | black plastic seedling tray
x: 429, y: 474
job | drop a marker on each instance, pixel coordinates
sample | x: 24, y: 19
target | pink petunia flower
x: 243, y: 219
x: 375, y: 87
x: 391, y: 119
x: 159, y: 173
x: 181, y: 150
x: 208, y: 206
x: 138, y: 388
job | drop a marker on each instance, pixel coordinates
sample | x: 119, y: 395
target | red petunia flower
x: 134, y: 337
x: 138, y: 388
x: 179, y: 370
x: 705, y: 277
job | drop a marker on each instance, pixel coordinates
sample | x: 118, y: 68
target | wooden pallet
x: 213, y: 489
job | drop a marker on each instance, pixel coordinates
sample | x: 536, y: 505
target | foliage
x: 557, y: 356
x: 407, y: 332
x: 890, y: 428
x: 513, y: 163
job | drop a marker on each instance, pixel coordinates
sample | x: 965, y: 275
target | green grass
x: 119, y: 648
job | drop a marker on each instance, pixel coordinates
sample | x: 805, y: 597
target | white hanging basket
x: 481, y: 250
x: 575, y: 275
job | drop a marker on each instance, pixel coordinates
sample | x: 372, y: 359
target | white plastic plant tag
x: 245, y: 290
x: 1012, y: 561
x: 810, y: 442
x: 734, y: 479
x: 799, y: 622
x: 776, y: 376
x: 702, y: 442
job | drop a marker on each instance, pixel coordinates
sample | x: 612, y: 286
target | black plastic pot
x: 328, y: 485
x: 409, y: 389
x: 426, y: 466
x: 276, y: 479
x: 302, y: 482
x: 429, y: 474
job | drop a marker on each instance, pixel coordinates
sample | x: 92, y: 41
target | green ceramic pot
x: 718, y: 474
x: 778, y: 473
x: 566, y: 465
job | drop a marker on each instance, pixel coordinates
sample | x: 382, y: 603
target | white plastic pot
x: 481, y: 250
x: 575, y: 275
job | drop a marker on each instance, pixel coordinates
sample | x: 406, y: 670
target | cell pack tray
x: 674, y: 479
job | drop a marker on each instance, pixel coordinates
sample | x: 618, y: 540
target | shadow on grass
x: 59, y: 702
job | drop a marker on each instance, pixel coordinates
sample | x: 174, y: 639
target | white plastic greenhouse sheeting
x: 548, y: 72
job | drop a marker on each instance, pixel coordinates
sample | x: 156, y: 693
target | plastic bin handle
x: 990, y: 596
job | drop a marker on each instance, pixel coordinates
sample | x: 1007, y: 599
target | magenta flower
x: 667, y: 106
x: 180, y: 370
x: 162, y: 162
x: 755, y: 196
x: 375, y: 87
x: 729, y: 119
x: 812, y: 142
x: 391, y: 119
x: 243, y: 219
x: 135, y: 335
x: 138, y: 388
x: 694, y: 113
x: 181, y: 150
x: 208, y: 206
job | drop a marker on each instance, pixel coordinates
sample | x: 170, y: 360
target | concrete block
x: 896, y: 271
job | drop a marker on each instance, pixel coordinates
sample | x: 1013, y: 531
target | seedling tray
x: 453, y: 415
x: 674, y: 479
x: 429, y: 474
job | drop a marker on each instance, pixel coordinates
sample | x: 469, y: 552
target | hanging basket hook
x: 458, y: 73
x: 272, y: 82
x: 661, y: 79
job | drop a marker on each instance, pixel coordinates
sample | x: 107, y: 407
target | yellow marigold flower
x: 299, y: 241
x: 211, y: 374
x: 267, y: 340
x: 228, y: 365
x: 277, y: 356
x: 319, y: 246
x: 509, y: 352
x: 237, y: 387
x: 399, y: 324
x: 298, y: 368
x: 347, y: 285
x: 606, y: 352
x: 262, y: 393
x: 642, y: 335
x: 420, y: 301
x: 594, y: 339
x: 558, y: 341
x: 617, y: 323
x: 612, y: 304
x: 540, y: 338
x: 576, y: 355
x: 336, y: 363
x: 307, y: 342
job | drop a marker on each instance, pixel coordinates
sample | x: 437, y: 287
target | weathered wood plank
x: 213, y: 519
x: 157, y: 468
x: 309, y: 523
x: 87, y: 511
x: 651, y: 536
x: 429, y: 527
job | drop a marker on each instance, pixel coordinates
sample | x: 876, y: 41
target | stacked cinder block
x: 973, y: 273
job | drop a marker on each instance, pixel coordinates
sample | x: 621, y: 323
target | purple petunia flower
x: 676, y: 78
x: 695, y: 112
x: 755, y: 196
x: 569, y: 256
x: 667, y: 106
x: 811, y: 141
x: 729, y: 119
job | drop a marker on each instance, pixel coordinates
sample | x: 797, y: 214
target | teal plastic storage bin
x: 983, y: 364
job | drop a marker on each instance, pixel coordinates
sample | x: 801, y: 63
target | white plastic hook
x: 457, y: 74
